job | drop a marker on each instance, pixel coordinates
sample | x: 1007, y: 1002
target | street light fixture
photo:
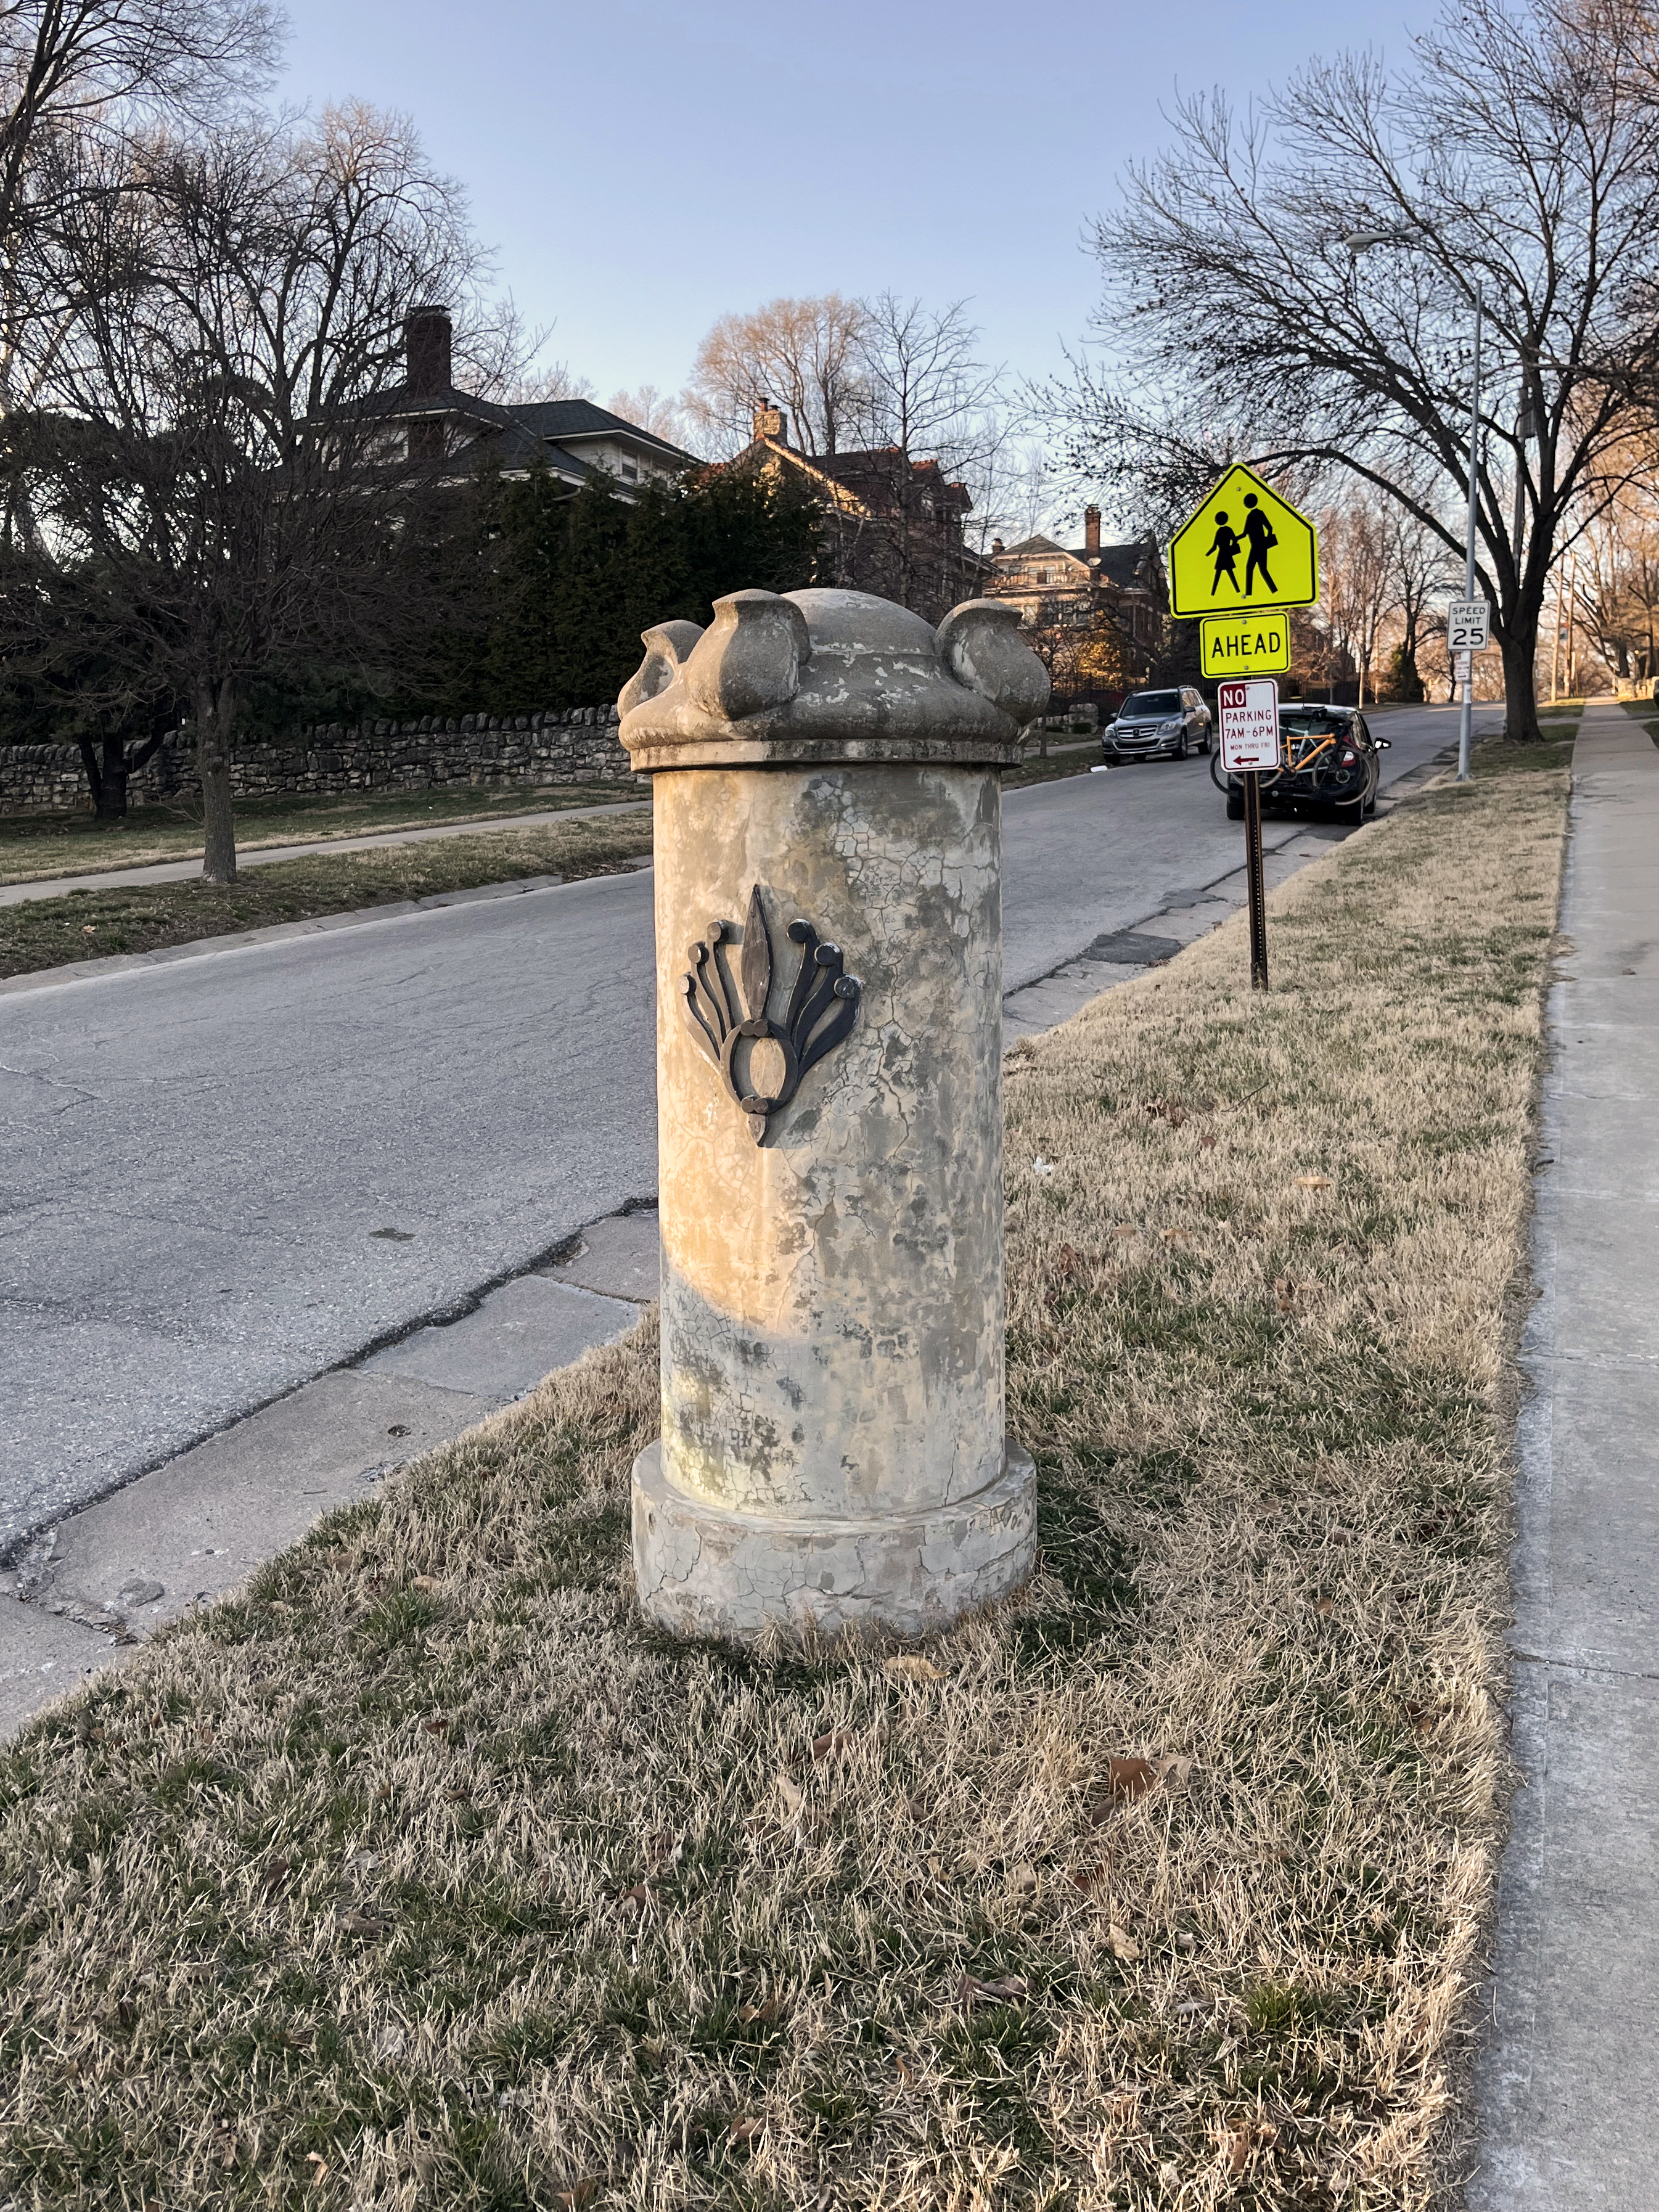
x: 1399, y: 234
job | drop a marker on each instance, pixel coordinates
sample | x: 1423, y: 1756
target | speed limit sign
x: 1468, y: 625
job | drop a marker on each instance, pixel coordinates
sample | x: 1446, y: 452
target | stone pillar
x: 829, y: 864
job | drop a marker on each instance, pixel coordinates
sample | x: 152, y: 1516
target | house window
x: 630, y: 472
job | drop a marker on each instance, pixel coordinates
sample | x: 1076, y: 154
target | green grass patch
x: 47, y: 933
x: 71, y: 843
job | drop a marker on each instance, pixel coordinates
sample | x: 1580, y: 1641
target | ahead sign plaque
x: 1249, y: 726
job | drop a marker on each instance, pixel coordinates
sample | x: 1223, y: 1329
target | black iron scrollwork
x: 824, y: 1004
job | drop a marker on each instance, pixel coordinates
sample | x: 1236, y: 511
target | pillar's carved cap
x: 832, y: 675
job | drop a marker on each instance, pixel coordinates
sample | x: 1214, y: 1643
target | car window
x: 1151, y: 702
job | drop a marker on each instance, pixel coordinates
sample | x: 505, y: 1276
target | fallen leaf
x: 768, y: 2012
x: 1284, y: 1294
x: 904, y: 2072
x: 1312, y: 1183
x: 1023, y: 1879
x: 1009, y: 1991
x: 831, y: 1745
x: 457, y: 1793
x: 399, y: 1429
x: 1174, y: 1768
x: 742, y: 2128
x: 1090, y: 1879
x: 1324, y: 1607
x: 665, y: 1850
x: 584, y: 2192
x: 1130, y: 1778
x: 1177, y: 1237
x: 1124, y: 1230
x: 794, y: 1803
x: 911, y: 1667
x: 1066, y: 1261
x: 424, y: 1582
x: 1238, y: 2148
x: 1206, y: 1142
x: 1121, y: 1944
x: 274, y: 1875
x: 437, y: 1727
x: 634, y: 1899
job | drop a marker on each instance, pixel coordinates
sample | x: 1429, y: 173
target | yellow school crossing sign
x: 1245, y: 551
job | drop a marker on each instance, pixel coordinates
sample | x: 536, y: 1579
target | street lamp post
x: 1356, y: 245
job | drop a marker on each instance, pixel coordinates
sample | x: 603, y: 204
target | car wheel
x: 1181, y: 747
x: 1235, y: 806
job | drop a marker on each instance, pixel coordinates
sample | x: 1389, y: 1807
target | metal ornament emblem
x: 824, y: 1006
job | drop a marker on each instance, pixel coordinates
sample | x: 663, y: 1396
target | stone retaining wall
x: 527, y: 750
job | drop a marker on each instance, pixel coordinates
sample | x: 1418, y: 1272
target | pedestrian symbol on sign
x: 1263, y: 538
x: 1224, y: 546
x: 1245, y: 549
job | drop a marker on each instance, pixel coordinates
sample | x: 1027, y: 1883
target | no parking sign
x: 1250, y: 725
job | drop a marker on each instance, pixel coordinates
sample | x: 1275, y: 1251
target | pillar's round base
x: 704, y: 1570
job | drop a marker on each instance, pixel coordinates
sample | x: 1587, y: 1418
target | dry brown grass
x: 425, y: 1876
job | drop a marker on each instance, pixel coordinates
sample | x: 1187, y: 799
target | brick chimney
x: 771, y: 421
x: 996, y: 546
x: 1091, y: 530
x: 427, y: 334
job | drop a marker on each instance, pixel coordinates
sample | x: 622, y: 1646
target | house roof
x: 556, y: 429
x: 1027, y: 546
x: 562, y: 421
x: 1126, y: 566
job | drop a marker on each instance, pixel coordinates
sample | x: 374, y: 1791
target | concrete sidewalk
x: 264, y: 856
x: 1568, y: 2074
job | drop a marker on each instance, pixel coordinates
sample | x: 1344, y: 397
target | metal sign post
x: 1253, y: 877
x: 1249, y: 746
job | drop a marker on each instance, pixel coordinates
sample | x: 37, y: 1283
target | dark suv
x: 1332, y: 761
x: 1171, y: 722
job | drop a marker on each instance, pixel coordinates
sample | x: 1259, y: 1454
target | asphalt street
x: 227, y: 1173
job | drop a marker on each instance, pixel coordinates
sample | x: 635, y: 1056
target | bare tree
x: 76, y: 69
x: 213, y: 482
x: 1359, y: 587
x: 1518, y: 151
x: 1615, y: 579
x: 557, y: 381
x: 659, y: 413
x: 805, y: 355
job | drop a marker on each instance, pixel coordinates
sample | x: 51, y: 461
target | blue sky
x: 641, y: 169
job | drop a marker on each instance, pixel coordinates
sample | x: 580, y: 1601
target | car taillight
x: 1349, y: 758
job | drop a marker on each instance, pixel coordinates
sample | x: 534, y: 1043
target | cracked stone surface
x: 832, y: 1300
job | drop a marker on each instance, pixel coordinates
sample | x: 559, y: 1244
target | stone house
x: 1119, y: 590
x: 892, y: 526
